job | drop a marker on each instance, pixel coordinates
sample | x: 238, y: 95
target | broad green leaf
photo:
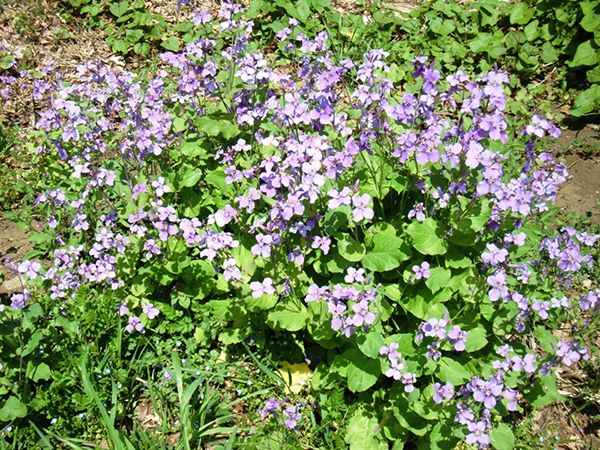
x: 370, y: 344
x: 117, y: 9
x: 190, y: 178
x: 544, y: 392
x: 179, y: 124
x: 587, y: 101
x: 350, y: 249
x: 426, y: 237
x: 442, y: 27
x: 593, y: 75
x: 38, y: 372
x: 264, y: 302
x: 362, y: 431
x: 438, y: 279
x: 291, y: 316
x: 549, y: 53
x: 476, y: 339
x: 361, y: 371
x: 531, y: 30
x: 587, y: 54
x: 12, y: 409
x: 171, y: 43
x: 521, y: 13
x: 452, y: 371
x: 387, y: 250
x: 502, y: 437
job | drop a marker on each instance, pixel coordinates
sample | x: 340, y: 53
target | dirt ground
x: 37, y: 31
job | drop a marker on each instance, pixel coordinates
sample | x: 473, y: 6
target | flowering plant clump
x: 393, y: 232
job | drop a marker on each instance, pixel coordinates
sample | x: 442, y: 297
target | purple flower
x: 322, y: 242
x: 31, y: 268
x: 497, y: 282
x: 421, y: 271
x: 417, y: 212
x: 442, y: 392
x: 150, y: 310
x: 19, y: 300
x: 361, y: 210
x: 123, y: 309
x: 494, y: 255
x: 355, y: 275
x: 478, y: 434
x: 260, y: 288
x: 291, y: 417
x: 271, y: 407
x: 457, y: 338
x: 486, y: 393
x: 135, y: 324
x: 512, y: 395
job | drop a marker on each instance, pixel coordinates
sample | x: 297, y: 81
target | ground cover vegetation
x: 294, y: 229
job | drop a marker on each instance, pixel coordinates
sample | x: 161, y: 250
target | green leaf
x: 216, y: 127
x: 481, y: 43
x: 370, y: 344
x: 171, y: 43
x: 593, y: 75
x: 531, y: 30
x: 190, y: 177
x: 426, y: 237
x: 587, y: 54
x: 361, y: 371
x: 387, y: 250
x: 502, y: 437
x: 362, y: 431
x: 521, y: 13
x: 476, y: 339
x: 549, y: 53
x: 438, y: 279
x: 120, y: 8
x: 264, y: 302
x: 12, y: 409
x: 179, y: 124
x: 291, y: 316
x: 38, y: 372
x: 587, y: 101
x: 350, y: 249
x: 119, y: 45
x: 452, y: 371
x: 442, y: 27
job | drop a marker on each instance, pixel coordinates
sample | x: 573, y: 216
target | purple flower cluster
x: 397, y: 369
x: 349, y: 306
x: 439, y: 331
x: 290, y: 413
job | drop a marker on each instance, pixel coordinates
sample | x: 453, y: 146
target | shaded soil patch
x: 581, y: 150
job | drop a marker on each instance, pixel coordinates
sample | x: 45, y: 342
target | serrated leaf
x: 370, y: 344
x: 117, y: 9
x: 171, y: 43
x: 426, y: 237
x: 190, y: 178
